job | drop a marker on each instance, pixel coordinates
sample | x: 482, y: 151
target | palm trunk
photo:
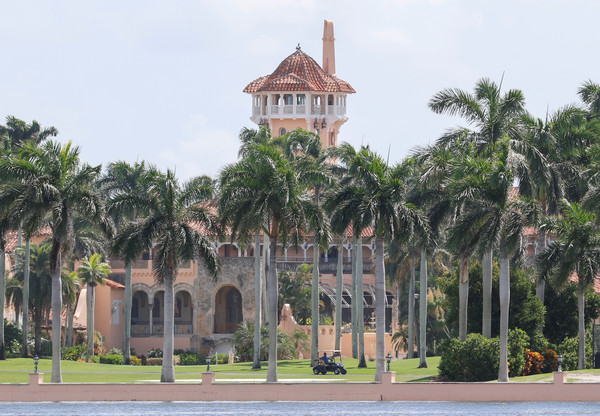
x: 168, y: 370
x: 339, y: 287
x: 379, y: 309
x: 2, y: 301
x: 486, y: 329
x: 361, y: 306
x: 423, y: 310
x: 257, y: 302
x: 504, y: 310
x: 354, y: 309
x: 463, y: 298
x: 581, y: 308
x: 314, y: 345
x: 272, y: 290
x: 91, y: 298
x: 70, y: 325
x: 540, y: 287
x: 127, y: 315
x: 37, y: 331
x: 56, y: 311
x: 263, y: 276
x: 411, y: 307
x: 25, y: 307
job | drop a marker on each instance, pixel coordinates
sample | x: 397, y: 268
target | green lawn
x: 16, y: 370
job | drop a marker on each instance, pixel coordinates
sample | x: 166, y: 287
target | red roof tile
x: 299, y: 72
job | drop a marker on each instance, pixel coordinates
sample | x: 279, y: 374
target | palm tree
x: 375, y: 197
x: 20, y: 132
x: 40, y: 296
x: 263, y: 189
x: 93, y: 271
x: 174, y: 213
x: 50, y: 180
x: 495, y: 117
x: 71, y: 286
x: 118, y: 184
x: 2, y: 288
x: 575, y: 252
x: 313, y: 165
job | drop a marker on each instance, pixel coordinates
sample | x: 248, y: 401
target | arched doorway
x: 140, y: 314
x: 183, y: 312
x: 228, y: 310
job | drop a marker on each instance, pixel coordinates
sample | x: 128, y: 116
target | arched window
x: 282, y: 131
x: 228, y: 310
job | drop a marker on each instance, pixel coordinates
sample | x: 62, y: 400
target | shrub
x: 116, y: 359
x: 154, y: 361
x: 569, y: 349
x: 115, y: 351
x: 12, y: 339
x: 95, y: 359
x: 46, y: 348
x: 534, y: 362
x: 76, y: 352
x: 222, y: 358
x: 475, y: 359
x: 135, y: 360
x: 179, y: 351
x: 155, y: 353
x: 190, y: 358
x: 538, y: 342
x: 550, y: 361
x: 518, y: 340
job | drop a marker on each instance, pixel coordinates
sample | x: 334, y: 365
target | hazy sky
x: 163, y: 80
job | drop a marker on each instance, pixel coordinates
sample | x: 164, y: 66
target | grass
x: 16, y: 370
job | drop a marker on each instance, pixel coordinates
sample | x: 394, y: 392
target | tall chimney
x: 328, y: 48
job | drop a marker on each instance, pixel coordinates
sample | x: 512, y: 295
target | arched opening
x: 183, y: 313
x: 140, y: 314
x: 228, y: 310
x: 158, y: 313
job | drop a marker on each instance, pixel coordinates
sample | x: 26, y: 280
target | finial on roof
x: 298, y: 47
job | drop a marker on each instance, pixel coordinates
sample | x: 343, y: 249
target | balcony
x: 328, y: 267
x: 142, y: 329
x: 298, y: 110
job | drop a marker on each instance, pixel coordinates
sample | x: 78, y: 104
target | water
x: 299, y: 408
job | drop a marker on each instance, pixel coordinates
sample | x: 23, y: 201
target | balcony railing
x: 143, y: 329
x: 298, y: 110
x: 329, y: 266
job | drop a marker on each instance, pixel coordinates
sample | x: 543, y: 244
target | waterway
x: 299, y: 408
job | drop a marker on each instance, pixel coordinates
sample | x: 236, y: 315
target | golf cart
x: 336, y: 368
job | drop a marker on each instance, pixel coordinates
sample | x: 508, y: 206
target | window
x: 288, y: 99
x: 330, y: 100
x: 300, y: 99
x: 282, y: 131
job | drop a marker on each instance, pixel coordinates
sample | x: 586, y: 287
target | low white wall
x: 387, y: 390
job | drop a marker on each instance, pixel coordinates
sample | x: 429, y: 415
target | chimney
x: 328, y: 48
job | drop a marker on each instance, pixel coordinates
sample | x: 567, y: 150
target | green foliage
x: 76, y: 352
x: 550, y: 361
x: 526, y: 310
x: 569, y: 349
x: 115, y: 351
x: 534, y: 363
x: 518, y: 341
x: 475, y: 359
x: 95, y: 359
x: 12, y: 339
x: 295, y: 289
x: 116, y: 359
x: 243, y: 341
x: 562, y: 318
x: 191, y: 358
x: 155, y: 353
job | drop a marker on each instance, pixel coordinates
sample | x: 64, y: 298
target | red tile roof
x: 299, y: 72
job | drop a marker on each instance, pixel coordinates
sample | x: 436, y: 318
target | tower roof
x: 299, y: 72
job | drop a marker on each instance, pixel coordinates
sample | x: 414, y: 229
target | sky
x: 162, y: 81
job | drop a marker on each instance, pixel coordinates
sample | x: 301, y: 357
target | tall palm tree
x: 315, y: 169
x: 50, y: 180
x: 2, y: 289
x: 93, y: 271
x: 172, y: 223
x: 264, y: 189
x: 20, y: 132
x: 375, y: 197
x: 71, y: 286
x: 40, y: 295
x: 118, y: 184
x: 575, y: 252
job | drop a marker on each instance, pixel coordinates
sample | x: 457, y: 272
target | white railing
x: 301, y: 109
x: 331, y: 110
x: 256, y: 110
x: 317, y: 109
x: 288, y: 109
x: 274, y: 109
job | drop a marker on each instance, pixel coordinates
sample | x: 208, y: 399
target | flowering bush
x: 534, y: 362
x: 550, y: 361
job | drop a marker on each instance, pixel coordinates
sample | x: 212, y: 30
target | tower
x: 301, y: 94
